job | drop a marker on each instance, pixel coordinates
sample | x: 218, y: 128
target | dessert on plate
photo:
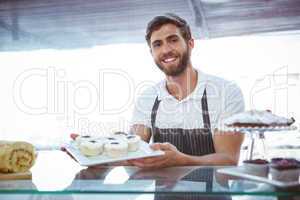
x: 120, y: 134
x: 117, y: 145
x: 116, y: 149
x: 91, y: 147
x: 81, y: 138
x: 256, y: 118
x: 285, y: 169
x: 258, y: 167
x: 133, y: 142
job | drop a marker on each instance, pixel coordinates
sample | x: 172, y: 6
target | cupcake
x: 133, y: 142
x: 91, y: 147
x: 81, y: 138
x: 285, y: 169
x: 116, y: 148
x: 121, y: 135
x: 257, y: 167
x: 111, y: 139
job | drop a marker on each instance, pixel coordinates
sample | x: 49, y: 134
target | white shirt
x: 224, y: 99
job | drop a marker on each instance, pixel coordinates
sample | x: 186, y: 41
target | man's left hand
x: 172, y: 157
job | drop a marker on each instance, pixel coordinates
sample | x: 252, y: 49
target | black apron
x: 195, y: 142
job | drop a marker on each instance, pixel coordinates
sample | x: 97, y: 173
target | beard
x: 179, y: 69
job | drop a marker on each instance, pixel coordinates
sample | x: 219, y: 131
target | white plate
x: 241, y: 172
x: 143, y: 152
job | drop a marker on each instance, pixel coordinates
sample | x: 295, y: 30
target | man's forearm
x: 210, y: 159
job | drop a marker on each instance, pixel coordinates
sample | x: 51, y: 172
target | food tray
x: 144, y: 151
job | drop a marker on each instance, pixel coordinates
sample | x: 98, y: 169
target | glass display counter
x: 56, y: 176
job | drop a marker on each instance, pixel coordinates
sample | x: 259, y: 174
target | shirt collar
x: 196, y: 94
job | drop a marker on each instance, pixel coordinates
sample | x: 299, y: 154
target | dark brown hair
x: 168, y: 18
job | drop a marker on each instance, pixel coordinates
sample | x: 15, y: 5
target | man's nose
x: 166, y: 48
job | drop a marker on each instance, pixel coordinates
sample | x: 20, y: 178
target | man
x: 182, y: 112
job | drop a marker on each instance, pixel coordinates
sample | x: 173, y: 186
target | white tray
x: 241, y: 172
x: 143, y: 152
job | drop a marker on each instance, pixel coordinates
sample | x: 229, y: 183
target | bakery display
x: 280, y: 169
x: 16, y: 156
x: 256, y: 118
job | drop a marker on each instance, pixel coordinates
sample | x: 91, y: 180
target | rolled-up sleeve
x: 233, y: 103
x: 143, y: 107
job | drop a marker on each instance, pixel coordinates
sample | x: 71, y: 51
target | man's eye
x: 155, y: 45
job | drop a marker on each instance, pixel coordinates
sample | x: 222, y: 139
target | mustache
x: 167, y: 55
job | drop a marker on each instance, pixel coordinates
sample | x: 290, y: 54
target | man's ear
x: 150, y: 51
x: 191, y: 43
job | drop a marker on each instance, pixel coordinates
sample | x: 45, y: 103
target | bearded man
x: 181, y: 114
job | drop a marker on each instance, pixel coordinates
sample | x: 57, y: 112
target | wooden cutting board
x: 16, y: 176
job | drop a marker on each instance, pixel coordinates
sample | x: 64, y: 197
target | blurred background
x: 78, y: 66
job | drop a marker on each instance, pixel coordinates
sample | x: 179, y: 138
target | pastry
x: 81, y: 138
x: 111, y: 139
x: 91, y: 147
x: 116, y: 148
x: 16, y: 156
x: 258, y: 167
x: 133, y: 142
x: 285, y: 169
x: 255, y: 118
x: 120, y: 135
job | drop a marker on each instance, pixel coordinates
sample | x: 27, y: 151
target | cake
x: 258, y: 167
x: 91, y: 147
x: 285, y: 169
x: 81, y: 138
x: 16, y: 156
x: 133, y: 142
x: 117, y: 148
x: 255, y: 118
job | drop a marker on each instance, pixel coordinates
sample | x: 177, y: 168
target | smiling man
x: 180, y: 115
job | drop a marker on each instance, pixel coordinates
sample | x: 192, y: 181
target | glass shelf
x: 56, y: 173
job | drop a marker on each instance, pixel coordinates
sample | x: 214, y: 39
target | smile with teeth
x: 169, y: 60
